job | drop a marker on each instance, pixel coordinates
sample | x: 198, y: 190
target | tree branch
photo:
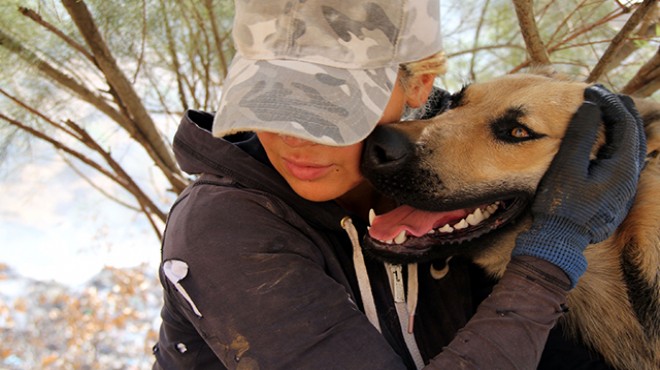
x: 144, y: 125
x: 620, y: 38
x: 477, y: 33
x: 219, y: 41
x: 120, y: 176
x: 171, y: 48
x: 647, y: 80
x: 68, y: 40
x: 575, y: 34
x: 64, y: 80
x: 535, y: 48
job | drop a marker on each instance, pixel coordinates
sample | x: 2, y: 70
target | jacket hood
x: 198, y: 152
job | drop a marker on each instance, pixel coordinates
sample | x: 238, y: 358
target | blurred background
x: 91, y: 93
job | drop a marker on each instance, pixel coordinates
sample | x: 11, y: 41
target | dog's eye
x: 519, y: 133
x: 508, y: 127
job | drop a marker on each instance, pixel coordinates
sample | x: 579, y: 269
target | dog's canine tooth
x: 401, y: 238
x: 461, y: 225
x: 372, y: 216
x: 446, y: 229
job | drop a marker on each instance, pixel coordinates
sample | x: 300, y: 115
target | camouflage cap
x: 321, y: 70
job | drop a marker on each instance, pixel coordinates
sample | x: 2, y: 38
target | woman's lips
x: 306, y: 171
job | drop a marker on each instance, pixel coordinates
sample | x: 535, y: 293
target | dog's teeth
x: 431, y: 232
x: 372, y: 216
x: 391, y: 241
x: 446, y: 229
x: 461, y: 225
x: 492, y: 208
x: 401, y: 238
x: 475, y: 218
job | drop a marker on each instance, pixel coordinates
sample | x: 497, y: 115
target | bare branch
x: 219, y: 41
x: 126, y: 180
x: 477, y: 33
x: 481, y: 48
x: 68, y: 40
x: 171, y: 47
x: 564, y: 22
x: 66, y: 81
x: 60, y: 146
x: 204, y: 55
x: 647, y: 79
x: 39, y: 114
x: 91, y: 183
x: 120, y: 176
x: 143, y: 41
x: 646, y: 31
x: 535, y: 48
x: 575, y: 34
x: 145, y: 128
x: 620, y: 38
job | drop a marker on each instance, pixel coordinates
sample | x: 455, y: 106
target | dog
x: 468, y: 176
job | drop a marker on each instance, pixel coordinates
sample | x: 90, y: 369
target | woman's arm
x: 511, y: 326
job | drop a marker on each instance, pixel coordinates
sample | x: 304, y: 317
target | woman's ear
x: 419, y: 92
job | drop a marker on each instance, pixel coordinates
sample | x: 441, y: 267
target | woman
x: 261, y: 260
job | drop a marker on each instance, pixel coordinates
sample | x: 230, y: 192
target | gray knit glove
x: 581, y: 201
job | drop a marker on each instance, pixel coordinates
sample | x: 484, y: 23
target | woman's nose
x: 295, y: 141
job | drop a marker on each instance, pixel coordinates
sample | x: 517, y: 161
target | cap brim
x: 326, y: 105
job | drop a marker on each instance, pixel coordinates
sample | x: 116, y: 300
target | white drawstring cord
x: 413, y: 293
x: 361, y: 272
x: 406, y: 311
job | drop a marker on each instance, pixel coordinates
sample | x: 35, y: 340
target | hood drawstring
x: 405, y: 306
x: 361, y: 272
x: 406, y: 311
x: 413, y: 294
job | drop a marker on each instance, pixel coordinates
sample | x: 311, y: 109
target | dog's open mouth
x: 408, y: 232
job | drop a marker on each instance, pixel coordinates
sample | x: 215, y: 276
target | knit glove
x: 581, y: 201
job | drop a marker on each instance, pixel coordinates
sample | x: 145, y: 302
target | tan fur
x: 471, y: 161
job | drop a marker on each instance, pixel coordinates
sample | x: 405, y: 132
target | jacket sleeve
x: 256, y: 290
x: 511, y: 326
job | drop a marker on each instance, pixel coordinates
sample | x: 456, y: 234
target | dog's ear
x: 438, y: 102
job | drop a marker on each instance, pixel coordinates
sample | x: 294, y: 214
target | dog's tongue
x: 416, y: 222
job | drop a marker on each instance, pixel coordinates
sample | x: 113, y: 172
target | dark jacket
x: 256, y: 277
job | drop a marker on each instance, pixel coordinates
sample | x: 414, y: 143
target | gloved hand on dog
x: 581, y: 201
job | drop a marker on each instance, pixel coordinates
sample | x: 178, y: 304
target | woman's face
x: 319, y: 172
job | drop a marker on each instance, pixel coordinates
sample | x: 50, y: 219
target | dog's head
x: 466, y: 177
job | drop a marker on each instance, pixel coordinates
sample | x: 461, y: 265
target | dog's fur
x: 463, y: 158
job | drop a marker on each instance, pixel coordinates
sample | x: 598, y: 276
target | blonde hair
x: 435, y: 64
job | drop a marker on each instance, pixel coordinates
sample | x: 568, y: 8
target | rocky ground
x: 109, y: 323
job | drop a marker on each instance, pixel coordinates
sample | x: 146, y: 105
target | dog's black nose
x: 385, y: 150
